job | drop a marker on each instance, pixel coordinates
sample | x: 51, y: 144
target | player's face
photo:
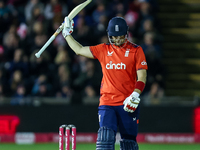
x: 118, y: 40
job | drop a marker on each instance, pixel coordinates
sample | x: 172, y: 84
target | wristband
x: 140, y: 85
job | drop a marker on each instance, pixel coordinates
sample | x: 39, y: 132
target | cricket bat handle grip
x: 49, y: 41
x: 45, y: 46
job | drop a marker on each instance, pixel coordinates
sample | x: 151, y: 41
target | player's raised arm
x: 74, y: 45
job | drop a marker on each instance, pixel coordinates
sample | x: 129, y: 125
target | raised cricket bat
x: 71, y: 15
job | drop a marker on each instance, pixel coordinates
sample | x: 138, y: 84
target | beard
x: 119, y: 42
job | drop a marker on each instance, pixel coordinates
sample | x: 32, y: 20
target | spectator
x: 63, y: 73
x: 37, y: 15
x: 16, y: 80
x: 10, y: 42
x: 131, y: 18
x: 4, y: 11
x: 116, y: 8
x: 39, y: 65
x: 145, y: 10
x: 39, y: 41
x: 88, y: 77
x: 149, y: 46
x: 134, y: 5
x: 22, y: 31
x: 62, y: 78
x: 5, y: 18
x: 119, y: 9
x: 62, y: 56
x: 144, y: 14
x: 19, y: 98
x: 54, y: 9
x: 155, y: 94
x: 89, y: 91
x: 147, y: 26
x: 100, y: 11
x: 43, y: 91
x: 19, y: 63
x: 100, y: 28
x: 65, y: 92
x: 12, y: 30
x: 89, y: 96
x: 79, y: 68
x: 82, y: 14
x: 83, y: 30
x: 37, y: 28
x: 103, y: 39
x: 41, y: 79
x: 156, y: 71
x: 29, y: 9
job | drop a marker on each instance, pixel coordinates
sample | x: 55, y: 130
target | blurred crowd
x: 25, y: 26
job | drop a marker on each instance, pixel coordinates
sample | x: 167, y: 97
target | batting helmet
x: 117, y: 26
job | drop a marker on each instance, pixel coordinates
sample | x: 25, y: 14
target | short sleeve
x: 141, y: 62
x: 97, y: 51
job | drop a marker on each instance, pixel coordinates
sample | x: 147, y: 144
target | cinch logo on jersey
x: 115, y: 66
x: 144, y: 63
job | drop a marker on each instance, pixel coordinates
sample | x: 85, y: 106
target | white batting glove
x: 131, y: 103
x: 68, y: 27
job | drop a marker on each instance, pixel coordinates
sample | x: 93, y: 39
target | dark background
x: 47, y: 118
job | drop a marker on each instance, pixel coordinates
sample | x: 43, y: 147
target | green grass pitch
x: 143, y: 146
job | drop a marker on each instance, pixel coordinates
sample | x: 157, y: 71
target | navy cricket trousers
x: 115, y: 117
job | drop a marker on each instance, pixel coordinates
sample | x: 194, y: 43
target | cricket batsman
x: 124, y: 76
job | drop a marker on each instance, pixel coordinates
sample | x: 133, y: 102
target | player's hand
x: 131, y: 103
x: 68, y: 27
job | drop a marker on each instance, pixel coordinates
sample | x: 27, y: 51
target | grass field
x: 142, y: 146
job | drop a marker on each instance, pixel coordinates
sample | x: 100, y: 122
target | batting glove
x: 68, y: 27
x: 131, y: 103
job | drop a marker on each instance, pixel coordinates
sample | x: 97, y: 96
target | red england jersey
x: 119, y: 68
